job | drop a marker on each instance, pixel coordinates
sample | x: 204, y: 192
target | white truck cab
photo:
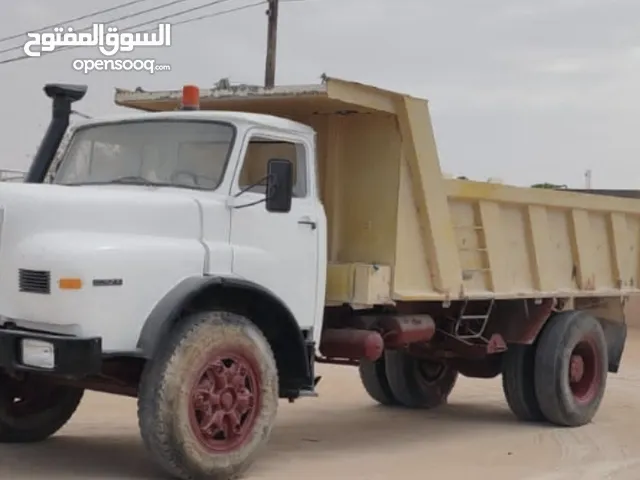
x: 138, y: 203
x: 129, y: 224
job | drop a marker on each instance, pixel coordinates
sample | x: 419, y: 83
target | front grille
x: 34, y: 281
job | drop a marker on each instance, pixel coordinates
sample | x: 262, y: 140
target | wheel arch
x: 608, y: 311
x: 262, y: 307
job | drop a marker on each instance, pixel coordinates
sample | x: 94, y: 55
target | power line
x: 182, y: 22
x: 216, y: 14
x: 142, y: 12
x: 124, y: 17
x: 177, y: 14
x: 182, y: 12
x: 82, y: 17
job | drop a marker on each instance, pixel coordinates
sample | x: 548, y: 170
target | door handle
x: 307, y: 221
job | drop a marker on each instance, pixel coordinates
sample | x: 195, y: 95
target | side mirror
x: 279, y: 185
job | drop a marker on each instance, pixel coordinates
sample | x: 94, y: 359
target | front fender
x: 146, y: 267
x: 167, y: 311
x: 266, y: 310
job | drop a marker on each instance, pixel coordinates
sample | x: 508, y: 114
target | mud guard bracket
x: 616, y: 335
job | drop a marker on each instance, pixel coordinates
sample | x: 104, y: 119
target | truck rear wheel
x: 518, y: 383
x: 32, y: 409
x: 571, y: 368
x: 208, y: 402
x: 374, y: 380
x: 418, y: 383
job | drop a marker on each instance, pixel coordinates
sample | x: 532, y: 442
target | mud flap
x: 616, y: 335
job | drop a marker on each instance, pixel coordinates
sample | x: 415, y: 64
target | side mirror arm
x: 264, y: 180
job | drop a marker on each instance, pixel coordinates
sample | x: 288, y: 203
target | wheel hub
x: 584, y: 371
x: 576, y: 368
x: 224, y: 402
x: 227, y: 401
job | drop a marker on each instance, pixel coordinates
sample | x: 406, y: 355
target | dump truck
x: 204, y: 253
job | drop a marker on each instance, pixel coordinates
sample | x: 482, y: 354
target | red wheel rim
x: 224, y: 401
x: 584, y: 371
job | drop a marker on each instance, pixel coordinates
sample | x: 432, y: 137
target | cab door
x: 279, y: 251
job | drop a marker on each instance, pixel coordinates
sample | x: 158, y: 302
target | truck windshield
x: 191, y: 154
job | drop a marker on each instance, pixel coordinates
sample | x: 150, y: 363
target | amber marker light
x: 70, y: 284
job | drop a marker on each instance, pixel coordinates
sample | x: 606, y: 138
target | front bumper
x: 72, y: 356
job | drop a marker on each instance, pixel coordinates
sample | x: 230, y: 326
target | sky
x: 521, y: 91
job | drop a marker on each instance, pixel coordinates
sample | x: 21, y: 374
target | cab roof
x: 238, y: 118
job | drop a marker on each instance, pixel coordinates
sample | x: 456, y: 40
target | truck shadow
x: 375, y: 427
x: 335, y: 431
x: 75, y: 457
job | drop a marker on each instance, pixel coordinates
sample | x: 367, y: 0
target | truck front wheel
x: 418, y: 383
x: 571, y: 367
x: 208, y: 402
x: 32, y: 409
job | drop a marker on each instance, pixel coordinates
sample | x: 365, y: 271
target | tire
x: 185, y: 381
x: 32, y: 410
x: 374, y: 380
x: 417, y: 383
x: 518, y: 383
x: 571, y: 367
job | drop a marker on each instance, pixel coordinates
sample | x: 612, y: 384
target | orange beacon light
x: 190, y: 98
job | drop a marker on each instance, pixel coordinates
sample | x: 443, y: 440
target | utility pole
x: 272, y: 39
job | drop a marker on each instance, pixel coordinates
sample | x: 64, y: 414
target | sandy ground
x: 344, y: 435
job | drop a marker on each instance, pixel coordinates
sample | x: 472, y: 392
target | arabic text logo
x: 108, y: 39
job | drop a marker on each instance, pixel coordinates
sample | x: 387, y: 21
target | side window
x: 260, y: 150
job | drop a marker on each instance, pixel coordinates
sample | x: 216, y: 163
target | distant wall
x: 11, y: 176
x: 608, y: 193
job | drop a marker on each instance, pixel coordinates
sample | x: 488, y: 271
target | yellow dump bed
x: 399, y: 231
